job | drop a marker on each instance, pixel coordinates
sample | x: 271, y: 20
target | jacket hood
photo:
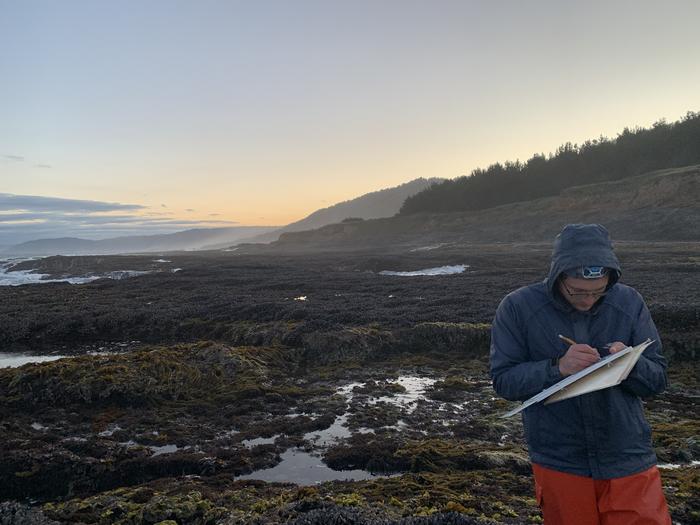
x: 582, y: 245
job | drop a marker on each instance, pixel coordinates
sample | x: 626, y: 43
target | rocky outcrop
x: 15, y: 513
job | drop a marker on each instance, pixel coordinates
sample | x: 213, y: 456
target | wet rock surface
x: 247, y: 299
x: 15, y: 512
x: 388, y: 400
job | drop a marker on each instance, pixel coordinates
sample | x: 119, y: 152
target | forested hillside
x: 633, y: 152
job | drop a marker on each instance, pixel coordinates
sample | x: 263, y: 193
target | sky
x: 163, y: 115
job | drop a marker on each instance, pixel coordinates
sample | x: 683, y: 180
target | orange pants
x: 567, y: 499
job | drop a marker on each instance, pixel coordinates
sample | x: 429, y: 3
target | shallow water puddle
x: 14, y: 360
x: 111, y: 430
x: 9, y: 360
x: 303, y: 468
x: 166, y: 449
x: 346, y: 390
x: 227, y: 435
x: 673, y: 466
x: 414, y: 386
x: 415, y: 390
x: 338, y: 430
x: 441, y: 270
x: 259, y: 441
x: 157, y: 450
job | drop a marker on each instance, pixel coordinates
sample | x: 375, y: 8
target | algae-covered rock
x: 138, y: 378
x: 488, y: 496
x: 436, y: 455
x: 159, y: 434
x: 369, y: 452
x: 122, y: 508
x: 15, y: 513
x: 348, y: 344
x: 334, y: 515
x: 467, y: 339
x: 374, y: 343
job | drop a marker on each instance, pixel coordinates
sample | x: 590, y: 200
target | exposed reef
x: 388, y: 397
x: 108, y: 439
x: 253, y: 300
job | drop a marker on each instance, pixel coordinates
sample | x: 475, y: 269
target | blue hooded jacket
x: 601, y: 434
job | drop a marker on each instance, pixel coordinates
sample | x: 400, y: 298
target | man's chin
x: 583, y: 308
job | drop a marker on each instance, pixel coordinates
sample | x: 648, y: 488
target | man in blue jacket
x: 592, y: 457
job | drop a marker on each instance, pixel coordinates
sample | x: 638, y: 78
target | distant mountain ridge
x: 194, y: 239
x: 374, y: 205
x: 663, y: 205
x: 377, y: 204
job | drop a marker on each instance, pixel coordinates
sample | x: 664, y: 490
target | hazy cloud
x: 29, y: 217
x: 189, y: 210
x: 19, y: 217
x: 92, y: 219
x: 9, y: 201
x: 20, y: 158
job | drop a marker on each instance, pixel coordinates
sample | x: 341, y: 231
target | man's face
x: 580, y: 293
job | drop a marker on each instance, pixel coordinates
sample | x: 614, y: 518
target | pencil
x: 567, y: 340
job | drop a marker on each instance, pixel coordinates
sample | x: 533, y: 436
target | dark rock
x: 14, y: 513
x: 336, y: 515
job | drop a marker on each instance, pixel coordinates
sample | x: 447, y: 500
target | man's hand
x: 576, y: 358
x: 616, y: 347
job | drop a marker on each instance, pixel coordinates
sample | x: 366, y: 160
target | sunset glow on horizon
x: 237, y: 113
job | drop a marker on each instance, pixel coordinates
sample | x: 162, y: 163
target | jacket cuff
x: 553, y: 372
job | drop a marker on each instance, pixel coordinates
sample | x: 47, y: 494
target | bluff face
x: 657, y: 206
x: 375, y: 205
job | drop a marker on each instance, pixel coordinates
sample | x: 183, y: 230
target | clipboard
x: 609, y: 371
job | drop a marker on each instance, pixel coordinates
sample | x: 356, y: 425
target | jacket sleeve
x: 514, y: 375
x: 648, y: 377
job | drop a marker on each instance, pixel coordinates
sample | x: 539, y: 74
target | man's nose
x: 589, y: 299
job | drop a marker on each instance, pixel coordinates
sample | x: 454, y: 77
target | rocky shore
x: 235, y: 401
